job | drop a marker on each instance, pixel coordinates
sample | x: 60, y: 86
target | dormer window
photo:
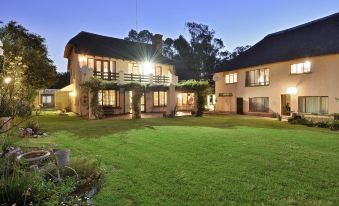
x: 301, y: 68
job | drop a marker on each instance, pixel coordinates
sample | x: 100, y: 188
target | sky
x: 236, y: 22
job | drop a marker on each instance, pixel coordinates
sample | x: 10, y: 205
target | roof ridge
x: 105, y: 36
x: 303, y: 25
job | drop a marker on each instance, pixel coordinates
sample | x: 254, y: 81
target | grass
x: 214, y: 160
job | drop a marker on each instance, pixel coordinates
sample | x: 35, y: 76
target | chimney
x: 157, y: 42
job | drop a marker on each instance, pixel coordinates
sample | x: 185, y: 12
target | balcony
x: 122, y: 77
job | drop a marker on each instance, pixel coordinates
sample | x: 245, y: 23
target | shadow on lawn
x: 97, y: 128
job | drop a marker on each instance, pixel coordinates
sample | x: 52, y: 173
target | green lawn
x: 214, y: 160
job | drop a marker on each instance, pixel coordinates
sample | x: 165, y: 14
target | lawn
x: 214, y: 160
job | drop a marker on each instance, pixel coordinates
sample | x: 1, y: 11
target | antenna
x: 136, y: 15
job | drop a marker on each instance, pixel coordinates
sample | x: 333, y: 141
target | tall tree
x: 31, y: 47
x: 202, y: 52
x: 63, y: 79
x: 143, y: 36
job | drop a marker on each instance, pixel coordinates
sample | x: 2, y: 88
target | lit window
x: 313, y: 104
x: 259, y: 104
x: 185, y: 99
x: 258, y: 77
x: 108, y: 98
x: 160, y: 99
x: 301, y: 68
x: 231, y: 78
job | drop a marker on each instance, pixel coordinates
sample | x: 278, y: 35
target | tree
x: 143, y: 36
x: 19, y: 42
x: 15, y: 96
x: 63, y: 79
x: 226, y: 55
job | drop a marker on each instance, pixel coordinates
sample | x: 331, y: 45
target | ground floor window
x: 185, y: 99
x: 318, y: 105
x: 259, y: 104
x: 160, y: 98
x: 108, y: 98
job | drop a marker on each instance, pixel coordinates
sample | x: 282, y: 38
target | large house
x: 294, y: 70
x: 121, y: 61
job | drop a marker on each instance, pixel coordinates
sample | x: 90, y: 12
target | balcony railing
x: 106, y: 75
x: 126, y: 77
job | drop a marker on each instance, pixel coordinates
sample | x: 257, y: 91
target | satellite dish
x: 84, y: 70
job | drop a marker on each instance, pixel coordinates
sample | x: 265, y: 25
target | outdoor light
x: 7, y: 80
x: 292, y: 90
x: 148, y: 68
x: 73, y: 94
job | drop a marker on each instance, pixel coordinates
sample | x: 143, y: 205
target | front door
x: 286, y: 104
x: 240, y: 105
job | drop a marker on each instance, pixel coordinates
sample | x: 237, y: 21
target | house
x: 53, y: 98
x: 294, y: 70
x: 119, y: 61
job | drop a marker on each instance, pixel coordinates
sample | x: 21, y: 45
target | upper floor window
x: 258, y: 77
x: 90, y: 63
x: 231, y: 78
x: 158, y: 71
x: 301, y: 68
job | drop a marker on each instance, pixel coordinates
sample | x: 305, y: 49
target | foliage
x: 201, y: 90
x: 19, y: 42
x: 143, y: 36
x: 193, y: 85
x: 137, y: 90
x: 94, y: 85
x: 202, y: 53
x: 22, y: 186
x: 15, y: 95
x: 63, y: 80
x: 331, y: 124
x: 227, y: 56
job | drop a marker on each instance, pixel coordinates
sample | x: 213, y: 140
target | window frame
x: 296, y: 64
x: 305, y: 101
x: 235, y: 74
x: 266, y: 109
x: 187, y: 99
x: 158, y: 104
x: 116, y: 92
x: 255, y: 75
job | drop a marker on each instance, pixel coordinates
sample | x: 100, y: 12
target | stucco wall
x: 322, y: 81
x: 78, y: 78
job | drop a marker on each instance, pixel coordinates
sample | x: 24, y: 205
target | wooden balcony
x: 126, y: 78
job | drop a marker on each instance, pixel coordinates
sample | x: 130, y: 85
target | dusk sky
x: 237, y: 23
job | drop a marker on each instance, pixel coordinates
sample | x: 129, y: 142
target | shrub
x: 334, y: 125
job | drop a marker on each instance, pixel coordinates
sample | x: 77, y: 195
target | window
x: 318, y: 105
x: 160, y: 99
x: 231, y: 78
x: 258, y: 77
x: 259, y: 104
x: 301, y: 68
x: 185, y: 99
x: 90, y: 63
x: 47, y: 99
x: 113, y: 67
x: 108, y: 98
x: 158, y: 71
